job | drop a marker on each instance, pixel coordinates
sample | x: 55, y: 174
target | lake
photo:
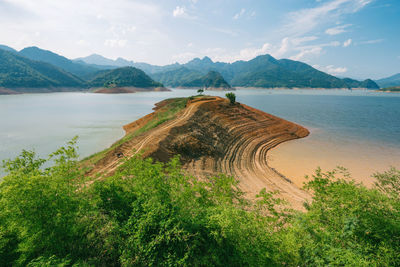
x: 357, y: 129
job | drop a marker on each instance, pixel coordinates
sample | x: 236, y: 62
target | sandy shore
x: 298, y: 158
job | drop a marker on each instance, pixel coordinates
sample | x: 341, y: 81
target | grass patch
x: 164, y: 114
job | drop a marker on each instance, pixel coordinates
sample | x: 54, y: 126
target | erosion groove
x: 213, y: 136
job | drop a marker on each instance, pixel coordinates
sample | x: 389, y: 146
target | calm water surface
x: 44, y: 122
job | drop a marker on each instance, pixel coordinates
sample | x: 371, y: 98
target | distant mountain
x: 78, y: 69
x: 99, y: 61
x: 212, y: 79
x: 266, y: 71
x: 17, y: 72
x: 368, y: 83
x: 391, y: 81
x: 262, y: 71
x: 124, y: 77
x: 96, y: 59
x: 7, y: 48
x: 177, y: 77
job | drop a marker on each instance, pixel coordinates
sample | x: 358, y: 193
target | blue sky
x: 355, y: 38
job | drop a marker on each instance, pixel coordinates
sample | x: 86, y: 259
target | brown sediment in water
x: 213, y: 136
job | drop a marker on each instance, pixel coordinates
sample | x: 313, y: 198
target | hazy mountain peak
x: 393, y: 80
x: 38, y: 54
x: 7, y: 48
x: 100, y: 60
x: 207, y: 59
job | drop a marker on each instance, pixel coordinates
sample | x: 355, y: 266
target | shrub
x: 232, y: 97
x: 154, y: 214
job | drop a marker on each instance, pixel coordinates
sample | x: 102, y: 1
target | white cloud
x: 337, y: 30
x: 347, y: 43
x: 377, y: 41
x: 183, y: 57
x: 240, y: 14
x: 285, y: 45
x: 179, y: 11
x: 225, y: 31
x: 306, y: 52
x: 62, y: 26
x: 312, y: 50
x: 249, y: 53
x: 82, y: 43
x: 301, y: 40
x: 305, y: 20
x: 115, y: 42
x: 336, y: 70
x: 331, y: 69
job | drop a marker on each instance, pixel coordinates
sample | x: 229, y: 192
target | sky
x: 346, y: 38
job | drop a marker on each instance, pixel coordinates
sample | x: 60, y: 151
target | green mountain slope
x: 7, y: 48
x: 101, y: 62
x: 262, y: 71
x: 212, y: 79
x: 368, y: 83
x: 266, y: 71
x: 177, y: 77
x: 20, y: 72
x: 78, y: 69
x: 391, y: 81
x: 124, y: 77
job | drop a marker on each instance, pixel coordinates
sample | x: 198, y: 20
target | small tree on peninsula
x: 200, y: 91
x: 232, y: 97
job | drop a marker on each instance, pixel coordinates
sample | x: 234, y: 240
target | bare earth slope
x: 212, y: 136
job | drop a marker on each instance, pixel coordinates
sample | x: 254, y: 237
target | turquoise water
x: 44, y: 122
x: 343, y: 115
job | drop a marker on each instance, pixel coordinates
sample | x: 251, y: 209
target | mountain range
x: 263, y: 71
x: 36, y: 70
x: 33, y: 67
x: 17, y: 72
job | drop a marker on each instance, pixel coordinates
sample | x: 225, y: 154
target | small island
x: 211, y: 81
x: 124, y: 80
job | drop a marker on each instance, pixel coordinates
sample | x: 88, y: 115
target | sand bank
x: 298, y: 158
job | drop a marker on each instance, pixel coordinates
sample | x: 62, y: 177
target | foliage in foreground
x: 152, y: 214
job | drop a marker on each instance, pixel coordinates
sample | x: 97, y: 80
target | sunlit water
x: 354, y: 127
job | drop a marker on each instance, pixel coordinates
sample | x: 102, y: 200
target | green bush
x: 154, y: 214
x: 232, y: 97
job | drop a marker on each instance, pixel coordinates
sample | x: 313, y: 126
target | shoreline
x: 302, y: 88
x: 48, y: 90
x: 39, y: 90
x: 126, y: 90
